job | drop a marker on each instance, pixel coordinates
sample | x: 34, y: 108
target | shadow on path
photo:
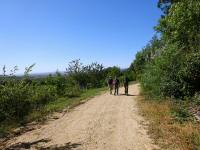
x: 67, y: 146
x: 27, y: 145
x: 127, y: 95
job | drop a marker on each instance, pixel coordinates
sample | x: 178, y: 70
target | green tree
x: 113, y: 71
x: 173, y: 71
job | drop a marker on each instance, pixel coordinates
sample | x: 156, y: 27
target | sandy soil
x: 105, y: 122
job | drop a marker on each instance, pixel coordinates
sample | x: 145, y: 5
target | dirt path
x: 106, y: 122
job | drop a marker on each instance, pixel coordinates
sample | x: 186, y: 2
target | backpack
x: 110, y: 81
x: 117, y: 82
x: 126, y: 80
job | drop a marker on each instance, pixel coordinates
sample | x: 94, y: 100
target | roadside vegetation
x: 27, y: 98
x: 170, y: 125
x: 168, y: 69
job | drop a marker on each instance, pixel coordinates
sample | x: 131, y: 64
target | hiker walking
x: 116, y: 83
x: 126, y: 81
x: 110, y: 84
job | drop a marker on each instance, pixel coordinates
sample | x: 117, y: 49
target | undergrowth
x: 170, y: 124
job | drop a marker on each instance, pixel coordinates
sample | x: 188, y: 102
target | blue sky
x: 51, y: 33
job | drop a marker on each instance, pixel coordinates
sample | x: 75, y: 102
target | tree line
x: 169, y: 65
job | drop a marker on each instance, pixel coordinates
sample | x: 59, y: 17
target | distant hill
x: 38, y: 75
x: 43, y: 75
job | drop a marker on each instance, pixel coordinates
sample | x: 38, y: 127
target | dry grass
x: 167, y: 131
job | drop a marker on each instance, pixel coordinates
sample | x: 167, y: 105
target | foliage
x: 196, y: 99
x: 86, y: 76
x: 130, y: 74
x: 14, y: 100
x: 71, y: 88
x: 17, y: 99
x: 42, y: 95
x: 146, y: 55
x: 181, y: 113
x: 191, y: 72
x: 181, y: 25
x: 169, y: 66
x: 58, y: 81
x: 113, y: 71
x: 20, y: 96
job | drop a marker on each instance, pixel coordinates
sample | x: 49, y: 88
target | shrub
x: 191, y: 73
x: 181, y: 113
x: 72, y: 89
x: 196, y: 98
x: 151, y: 80
x: 58, y: 81
x: 14, y: 100
x: 42, y: 95
x: 18, y: 99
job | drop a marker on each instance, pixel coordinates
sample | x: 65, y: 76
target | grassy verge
x: 170, y: 124
x: 42, y: 114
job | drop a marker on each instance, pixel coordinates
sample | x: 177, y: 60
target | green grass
x: 58, y: 105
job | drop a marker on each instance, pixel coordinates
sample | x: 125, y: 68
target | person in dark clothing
x: 126, y: 81
x: 110, y: 84
x: 116, y: 86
